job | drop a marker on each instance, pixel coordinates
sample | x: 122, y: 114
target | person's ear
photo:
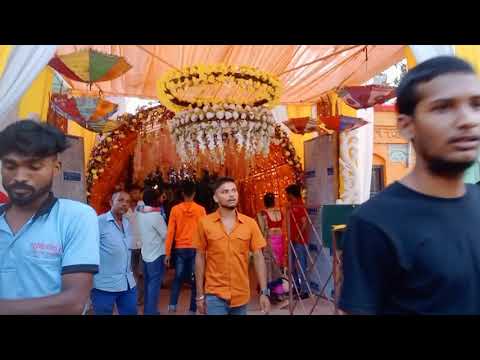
x: 57, y: 167
x: 406, y: 127
x: 215, y: 198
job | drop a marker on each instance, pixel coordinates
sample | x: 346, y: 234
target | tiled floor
x: 322, y: 308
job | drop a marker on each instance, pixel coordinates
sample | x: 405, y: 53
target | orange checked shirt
x: 227, y: 256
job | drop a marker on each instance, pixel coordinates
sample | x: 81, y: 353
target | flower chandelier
x: 214, y: 127
x: 220, y: 108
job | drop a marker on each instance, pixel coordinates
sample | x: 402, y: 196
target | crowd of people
x: 411, y: 249
x: 59, y: 256
x: 164, y: 236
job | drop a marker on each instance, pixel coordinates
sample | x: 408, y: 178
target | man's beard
x: 229, y: 207
x: 25, y: 200
x: 447, y: 169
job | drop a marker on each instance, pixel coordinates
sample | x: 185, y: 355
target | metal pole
x: 289, y: 254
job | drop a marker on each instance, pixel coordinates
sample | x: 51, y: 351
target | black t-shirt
x: 409, y: 253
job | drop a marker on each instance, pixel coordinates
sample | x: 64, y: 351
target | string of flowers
x: 101, y: 156
x: 210, y: 127
x: 258, y: 87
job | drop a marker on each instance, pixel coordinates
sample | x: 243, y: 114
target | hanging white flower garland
x: 210, y: 127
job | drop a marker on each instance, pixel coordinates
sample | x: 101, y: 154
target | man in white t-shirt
x: 136, y: 195
x: 153, y: 232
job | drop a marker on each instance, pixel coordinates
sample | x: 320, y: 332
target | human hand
x: 167, y: 261
x: 201, y: 305
x: 265, y: 304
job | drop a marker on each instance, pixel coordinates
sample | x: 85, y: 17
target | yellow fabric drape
x: 296, y: 111
x: 410, y: 57
x: 88, y: 138
x: 37, y: 97
x: 470, y: 53
x: 5, y: 51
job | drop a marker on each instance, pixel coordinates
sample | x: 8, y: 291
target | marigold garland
x: 263, y: 87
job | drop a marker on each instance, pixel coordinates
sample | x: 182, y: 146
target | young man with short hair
x: 136, y: 198
x: 49, y: 247
x: 413, y: 248
x: 299, y: 238
x: 153, y: 231
x: 224, y: 240
x: 114, y: 283
x: 182, y: 225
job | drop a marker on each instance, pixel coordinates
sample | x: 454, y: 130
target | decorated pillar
x: 349, y: 192
x: 348, y: 156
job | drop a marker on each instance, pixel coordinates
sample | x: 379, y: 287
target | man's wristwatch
x: 265, y: 292
x: 200, y: 298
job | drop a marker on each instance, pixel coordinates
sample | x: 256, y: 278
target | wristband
x: 200, y: 298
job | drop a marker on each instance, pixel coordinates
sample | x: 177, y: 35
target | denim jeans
x: 298, y: 277
x: 103, y: 302
x: 218, y: 306
x: 153, y: 273
x: 184, y: 260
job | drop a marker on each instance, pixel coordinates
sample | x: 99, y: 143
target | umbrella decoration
x: 90, y: 112
x: 90, y: 66
x: 342, y: 123
x: 301, y: 125
x: 362, y: 97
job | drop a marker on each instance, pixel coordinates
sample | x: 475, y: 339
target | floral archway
x: 143, y: 143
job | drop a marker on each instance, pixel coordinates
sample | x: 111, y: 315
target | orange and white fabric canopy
x: 306, y: 71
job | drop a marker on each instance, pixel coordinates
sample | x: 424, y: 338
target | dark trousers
x: 184, y: 260
x: 103, y: 302
x: 137, y: 268
x: 153, y: 274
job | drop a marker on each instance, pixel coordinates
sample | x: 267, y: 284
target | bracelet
x: 200, y: 298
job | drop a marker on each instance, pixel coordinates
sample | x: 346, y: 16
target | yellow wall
x: 88, y: 138
x: 37, y: 97
x: 393, y: 171
x: 298, y: 143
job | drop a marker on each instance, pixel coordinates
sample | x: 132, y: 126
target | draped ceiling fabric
x: 341, y: 65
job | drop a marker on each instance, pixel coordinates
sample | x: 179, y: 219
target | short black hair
x: 269, y: 200
x: 30, y: 138
x: 294, y: 190
x: 117, y: 193
x: 188, y: 188
x: 222, y: 180
x: 150, y: 197
x: 407, y: 96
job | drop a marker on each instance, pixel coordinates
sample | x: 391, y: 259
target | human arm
x: 200, y: 244
x: 172, y: 224
x: 200, y: 279
x: 257, y: 244
x: 261, y: 270
x: 80, y: 260
x: 70, y: 301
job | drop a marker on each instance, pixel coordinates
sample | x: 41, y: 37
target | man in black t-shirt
x: 415, y: 247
